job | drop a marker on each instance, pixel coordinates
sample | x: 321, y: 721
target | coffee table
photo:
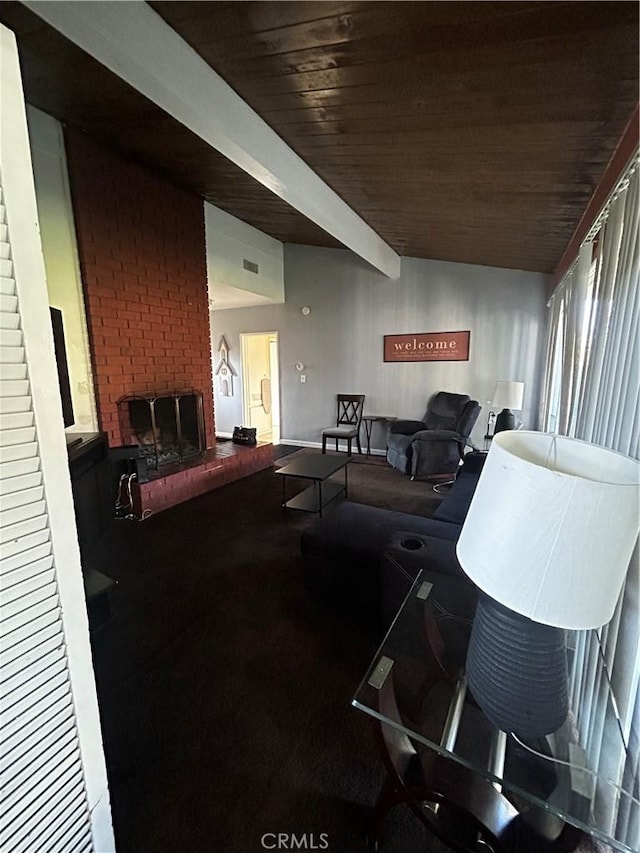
x: 322, y: 490
x: 522, y: 795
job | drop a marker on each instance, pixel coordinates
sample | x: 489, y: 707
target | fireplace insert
x: 168, y: 427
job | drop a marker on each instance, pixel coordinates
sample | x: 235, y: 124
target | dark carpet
x: 224, y: 687
x: 281, y: 450
x: 373, y: 481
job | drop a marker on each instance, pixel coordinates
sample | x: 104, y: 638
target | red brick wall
x: 141, y: 243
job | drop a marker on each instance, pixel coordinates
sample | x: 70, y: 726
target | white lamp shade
x: 552, y: 527
x: 508, y: 395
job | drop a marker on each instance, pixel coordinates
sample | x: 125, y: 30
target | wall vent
x: 250, y: 266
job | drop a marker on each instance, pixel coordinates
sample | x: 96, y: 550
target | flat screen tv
x: 63, y: 367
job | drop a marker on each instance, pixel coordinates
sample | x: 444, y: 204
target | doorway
x: 260, y: 384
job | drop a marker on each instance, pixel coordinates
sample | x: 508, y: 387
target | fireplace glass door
x: 169, y: 428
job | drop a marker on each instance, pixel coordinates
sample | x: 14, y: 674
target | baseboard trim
x: 299, y: 443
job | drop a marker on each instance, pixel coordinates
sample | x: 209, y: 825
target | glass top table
x: 553, y: 781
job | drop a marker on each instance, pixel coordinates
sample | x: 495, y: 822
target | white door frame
x: 274, y: 362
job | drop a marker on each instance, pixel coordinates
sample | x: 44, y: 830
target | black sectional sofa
x: 363, y: 559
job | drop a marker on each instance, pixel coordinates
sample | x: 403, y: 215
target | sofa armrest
x: 455, y: 506
x: 473, y: 463
x: 417, y: 551
x: 405, y: 427
x: 453, y: 595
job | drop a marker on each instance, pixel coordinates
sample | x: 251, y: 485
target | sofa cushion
x: 365, y: 530
x: 341, y: 552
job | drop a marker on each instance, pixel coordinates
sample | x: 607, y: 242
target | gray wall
x: 353, y: 306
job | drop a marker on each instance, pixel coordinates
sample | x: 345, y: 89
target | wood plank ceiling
x: 464, y: 131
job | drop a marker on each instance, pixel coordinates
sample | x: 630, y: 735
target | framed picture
x: 427, y: 346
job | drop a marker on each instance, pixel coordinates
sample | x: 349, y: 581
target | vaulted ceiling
x: 464, y: 131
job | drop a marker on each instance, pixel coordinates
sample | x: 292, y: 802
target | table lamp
x: 547, y: 539
x: 507, y: 395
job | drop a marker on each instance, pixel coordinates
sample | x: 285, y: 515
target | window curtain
x: 576, y: 310
x: 608, y: 414
x: 550, y: 398
x: 592, y: 392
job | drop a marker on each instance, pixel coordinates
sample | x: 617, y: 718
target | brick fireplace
x: 141, y: 246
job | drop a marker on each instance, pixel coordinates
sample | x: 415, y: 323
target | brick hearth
x: 220, y: 465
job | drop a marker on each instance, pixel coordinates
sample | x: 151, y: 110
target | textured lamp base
x: 517, y: 671
x: 505, y: 420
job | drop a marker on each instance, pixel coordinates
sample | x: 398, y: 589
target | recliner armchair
x: 433, y: 447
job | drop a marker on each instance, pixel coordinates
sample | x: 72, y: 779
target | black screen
x: 63, y: 369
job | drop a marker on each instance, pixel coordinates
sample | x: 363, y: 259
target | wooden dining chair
x: 348, y: 422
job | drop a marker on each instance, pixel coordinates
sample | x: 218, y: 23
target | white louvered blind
x: 43, y: 802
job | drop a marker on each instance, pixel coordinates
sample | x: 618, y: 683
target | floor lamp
x: 548, y: 539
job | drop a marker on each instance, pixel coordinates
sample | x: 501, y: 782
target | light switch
x: 303, y: 377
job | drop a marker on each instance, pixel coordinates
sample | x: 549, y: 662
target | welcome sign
x: 428, y: 346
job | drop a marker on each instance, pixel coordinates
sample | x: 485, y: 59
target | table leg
x: 320, y: 498
x: 346, y: 481
x: 368, y: 426
x: 497, y: 756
